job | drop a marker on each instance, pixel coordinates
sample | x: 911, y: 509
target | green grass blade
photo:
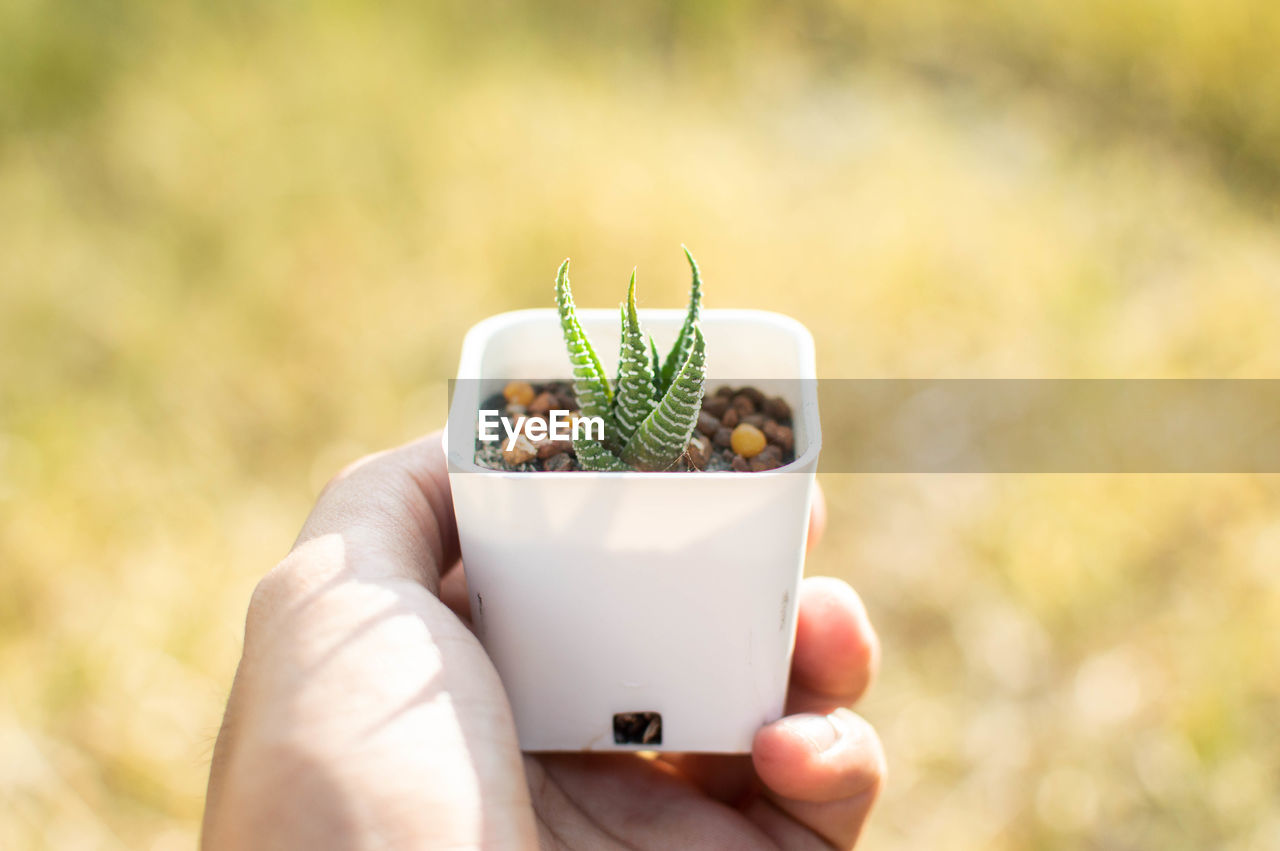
x: 680, y: 351
x: 664, y: 435
x: 595, y: 397
x: 634, y: 399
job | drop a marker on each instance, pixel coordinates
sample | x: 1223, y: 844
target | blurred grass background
x: 240, y: 243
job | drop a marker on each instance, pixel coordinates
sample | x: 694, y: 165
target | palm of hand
x: 366, y: 714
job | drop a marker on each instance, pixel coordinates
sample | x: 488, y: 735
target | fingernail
x: 819, y: 730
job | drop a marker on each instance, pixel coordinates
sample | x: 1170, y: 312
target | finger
x: 454, y: 593
x: 394, y: 510
x: 835, y: 658
x: 821, y: 775
x: 817, y: 517
x: 837, y: 651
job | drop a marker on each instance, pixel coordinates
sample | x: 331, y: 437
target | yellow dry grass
x: 238, y: 248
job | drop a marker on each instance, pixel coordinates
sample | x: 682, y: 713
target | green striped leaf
x: 595, y: 397
x: 680, y: 351
x: 664, y: 435
x: 634, y: 399
x: 657, y: 369
x: 593, y: 456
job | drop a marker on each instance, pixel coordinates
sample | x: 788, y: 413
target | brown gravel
x: 520, y: 452
x: 560, y: 463
x: 518, y: 393
x: 762, y: 424
x: 780, y: 435
x: 716, y: 406
x: 760, y: 463
x: 551, y: 448
x: 543, y: 404
x: 777, y: 408
x: 699, y: 452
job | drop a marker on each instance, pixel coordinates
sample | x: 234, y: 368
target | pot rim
x: 473, y: 345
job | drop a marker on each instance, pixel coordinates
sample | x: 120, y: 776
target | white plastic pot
x: 598, y: 594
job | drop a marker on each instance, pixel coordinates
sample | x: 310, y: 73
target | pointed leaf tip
x: 634, y: 396
x: 631, y: 299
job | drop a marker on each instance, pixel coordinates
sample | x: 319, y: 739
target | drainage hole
x: 637, y: 728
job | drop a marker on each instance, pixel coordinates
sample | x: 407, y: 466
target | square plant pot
x: 636, y: 611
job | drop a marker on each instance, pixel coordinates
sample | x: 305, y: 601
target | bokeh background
x: 240, y: 244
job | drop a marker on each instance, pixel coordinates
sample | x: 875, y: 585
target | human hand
x: 365, y: 714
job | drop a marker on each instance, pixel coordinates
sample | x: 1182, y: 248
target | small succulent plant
x: 650, y: 410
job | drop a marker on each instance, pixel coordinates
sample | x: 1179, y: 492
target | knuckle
x: 269, y: 596
x: 871, y: 767
x: 278, y: 591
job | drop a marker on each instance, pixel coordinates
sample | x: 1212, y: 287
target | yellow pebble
x: 518, y: 393
x: 747, y: 440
